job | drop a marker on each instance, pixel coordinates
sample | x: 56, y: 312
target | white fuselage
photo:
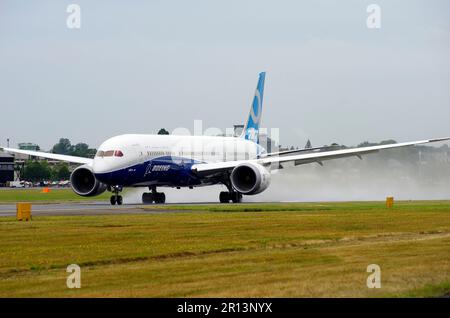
x: 158, y: 159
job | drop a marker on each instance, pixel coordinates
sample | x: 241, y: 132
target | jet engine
x: 84, y: 183
x: 250, y: 178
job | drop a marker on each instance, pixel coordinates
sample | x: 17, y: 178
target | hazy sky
x: 137, y: 66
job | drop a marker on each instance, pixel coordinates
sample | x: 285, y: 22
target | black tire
x: 160, y: 198
x: 147, y: 198
x: 224, y: 197
x: 236, y: 197
x: 112, y: 200
x: 119, y: 200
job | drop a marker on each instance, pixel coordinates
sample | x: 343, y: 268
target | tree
x: 163, y: 131
x: 91, y: 153
x: 63, y: 147
x: 388, y: 142
x: 308, y: 144
x: 64, y: 172
x: 367, y: 144
x: 80, y: 150
x: 36, y: 171
x: 60, y: 172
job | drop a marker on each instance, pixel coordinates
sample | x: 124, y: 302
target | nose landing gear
x: 116, y: 198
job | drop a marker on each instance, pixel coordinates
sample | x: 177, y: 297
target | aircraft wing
x: 211, y: 168
x: 47, y: 155
x: 288, y: 152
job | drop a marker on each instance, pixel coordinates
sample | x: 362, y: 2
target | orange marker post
x: 389, y: 202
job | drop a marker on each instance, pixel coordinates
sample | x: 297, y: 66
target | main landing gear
x: 233, y: 196
x: 230, y: 195
x: 116, y: 198
x: 153, y: 197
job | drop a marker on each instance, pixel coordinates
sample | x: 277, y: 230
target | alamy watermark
x: 73, y: 20
x: 374, y: 19
x: 374, y: 279
x: 74, y: 278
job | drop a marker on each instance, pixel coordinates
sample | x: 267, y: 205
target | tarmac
x: 91, y: 208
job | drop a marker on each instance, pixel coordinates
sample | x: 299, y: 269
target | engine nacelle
x: 250, y: 178
x: 84, y: 183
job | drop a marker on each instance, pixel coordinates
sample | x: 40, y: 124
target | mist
x: 415, y: 173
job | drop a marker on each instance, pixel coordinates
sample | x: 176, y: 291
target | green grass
x: 306, y: 206
x: 279, y: 250
x: 36, y: 195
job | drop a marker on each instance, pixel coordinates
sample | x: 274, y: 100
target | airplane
x: 152, y: 161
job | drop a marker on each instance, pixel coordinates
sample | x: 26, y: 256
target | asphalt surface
x: 99, y: 208
x: 94, y: 208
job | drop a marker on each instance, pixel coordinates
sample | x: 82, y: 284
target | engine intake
x: 84, y: 183
x: 250, y: 178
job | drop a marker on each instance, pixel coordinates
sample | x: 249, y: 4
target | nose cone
x: 103, y: 165
x: 108, y: 171
x: 113, y: 157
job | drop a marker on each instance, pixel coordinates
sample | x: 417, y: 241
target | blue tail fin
x: 251, y: 128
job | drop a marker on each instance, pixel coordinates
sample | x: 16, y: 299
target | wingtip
x: 439, y: 139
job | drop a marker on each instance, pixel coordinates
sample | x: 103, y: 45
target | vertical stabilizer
x: 251, y: 128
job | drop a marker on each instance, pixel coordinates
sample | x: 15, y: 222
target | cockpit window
x: 109, y: 153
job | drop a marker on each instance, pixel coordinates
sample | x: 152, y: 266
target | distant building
x: 267, y: 143
x: 26, y: 146
x: 6, y: 168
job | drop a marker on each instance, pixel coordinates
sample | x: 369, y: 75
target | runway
x: 100, y: 208
x: 91, y: 208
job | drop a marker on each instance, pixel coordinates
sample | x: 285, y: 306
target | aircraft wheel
x: 112, y: 200
x: 236, y: 197
x: 160, y: 198
x: 119, y: 200
x: 147, y: 198
x: 224, y: 197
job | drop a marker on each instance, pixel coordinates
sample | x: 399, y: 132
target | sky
x: 137, y: 66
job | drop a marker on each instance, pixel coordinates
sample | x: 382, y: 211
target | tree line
x: 65, y: 147
x: 39, y: 170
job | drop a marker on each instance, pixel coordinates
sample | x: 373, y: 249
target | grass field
x: 279, y: 250
x: 36, y: 195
